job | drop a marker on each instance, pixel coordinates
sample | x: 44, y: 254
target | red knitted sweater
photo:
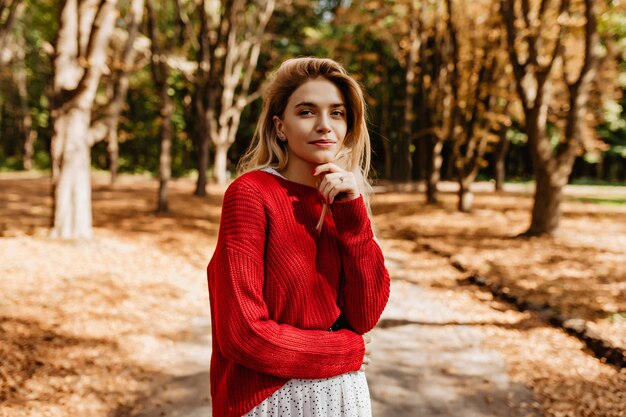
x: 276, y: 286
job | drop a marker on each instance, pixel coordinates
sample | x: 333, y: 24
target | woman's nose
x: 323, y: 124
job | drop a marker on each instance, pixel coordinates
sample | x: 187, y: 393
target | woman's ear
x: 278, y: 126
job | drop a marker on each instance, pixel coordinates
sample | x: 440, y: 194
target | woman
x: 297, y: 278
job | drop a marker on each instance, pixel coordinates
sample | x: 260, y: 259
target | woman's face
x: 314, y: 123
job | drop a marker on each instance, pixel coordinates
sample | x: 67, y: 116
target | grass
x: 603, y: 200
x: 593, y: 181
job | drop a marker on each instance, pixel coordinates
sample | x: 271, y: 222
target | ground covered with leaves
x: 579, y: 272
x: 89, y: 328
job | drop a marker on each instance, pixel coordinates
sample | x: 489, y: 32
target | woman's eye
x: 305, y: 112
x: 337, y: 113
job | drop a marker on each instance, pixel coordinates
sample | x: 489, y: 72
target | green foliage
x: 12, y: 163
x: 516, y: 136
x: 607, y: 201
x: 366, y: 36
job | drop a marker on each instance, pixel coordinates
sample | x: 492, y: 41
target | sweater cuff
x: 351, y: 218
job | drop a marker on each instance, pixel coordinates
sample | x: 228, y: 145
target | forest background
x: 456, y: 90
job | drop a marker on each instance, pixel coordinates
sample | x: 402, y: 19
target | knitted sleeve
x: 366, y: 280
x: 244, y: 332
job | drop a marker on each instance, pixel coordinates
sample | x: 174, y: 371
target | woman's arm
x: 366, y: 280
x: 244, y: 332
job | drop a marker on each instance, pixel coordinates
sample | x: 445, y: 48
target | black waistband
x: 340, y: 323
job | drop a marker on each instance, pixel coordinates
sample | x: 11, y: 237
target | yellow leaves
x: 427, y: 81
x: 400, y: 10
x: 372, y: 5
x: 370, y: 56
x: 312, y: 33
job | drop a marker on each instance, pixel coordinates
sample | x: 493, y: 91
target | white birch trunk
x: 243, y: 45
x: 72, y: 214
x: 85, y: 30
x: 220, y: 163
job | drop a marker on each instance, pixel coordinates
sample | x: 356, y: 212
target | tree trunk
x: 405, y: 160
x: 552, y: 165
x: 203, y: 164
x: 423, y: 159
x: 466, y: 197
x: 160, y: 75
x: 165, y: 160
x: 29, y: 134
x: 384, y: 123
x: 388, y: 157
x: 233, y: 56
x: 434, y: 169
x: 220, y: 163
x: 85, y: 29
x: 113, y: 149
x: 500, y: 160
x: 546, y: 211
x: 16, y: 8
x: 121, y: 81
x: 72, y: 191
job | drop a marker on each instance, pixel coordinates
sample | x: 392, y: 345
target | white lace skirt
x: 345, y: 395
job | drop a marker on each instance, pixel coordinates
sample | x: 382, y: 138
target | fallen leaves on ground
x: 76, y: 318
x: 579, y: 272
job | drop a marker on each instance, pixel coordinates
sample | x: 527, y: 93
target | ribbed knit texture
x: 276, y: 286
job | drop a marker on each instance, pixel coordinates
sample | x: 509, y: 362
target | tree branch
x: 7, y: 25
x: 158, y: 72
x: 519, y: 70
x: 454, y: 76
x: 102, y: 28
x: 183, y: 20
x: 543, y: 73
x: 578, y: 91
x: 532, y: 36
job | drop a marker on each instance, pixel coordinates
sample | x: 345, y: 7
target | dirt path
x: 427, y: 355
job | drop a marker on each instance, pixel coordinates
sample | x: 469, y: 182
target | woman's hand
x: 335, y: 181
x: 366, y: 358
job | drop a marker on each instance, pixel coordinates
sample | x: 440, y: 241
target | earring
x: 281, y: 137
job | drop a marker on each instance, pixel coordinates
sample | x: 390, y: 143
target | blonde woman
x: 297, y: 278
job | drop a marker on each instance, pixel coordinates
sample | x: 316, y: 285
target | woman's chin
x: 326, y: 157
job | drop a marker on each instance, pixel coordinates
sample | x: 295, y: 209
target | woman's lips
x: 323, y: 143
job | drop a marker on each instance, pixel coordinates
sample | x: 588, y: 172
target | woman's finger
x: 332, y: 180
x: 348, y: 187
x: 327, y: 167
x: 336, y: 183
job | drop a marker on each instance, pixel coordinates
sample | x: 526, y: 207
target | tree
x: 408, y: 27
x: 12, y: 46
x: 20, y: 78
x: 405, y: 160
x: 85, y: 29
x: 378, y: 61
x: 438, y: 89
x: 10, y: 11
x: 481, y: 85
x: 231, y: 35
x: 160, y: 75
x: 544, y: 59
x: 123, y: 64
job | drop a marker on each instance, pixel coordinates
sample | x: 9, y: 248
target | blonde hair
x: 266, y: 150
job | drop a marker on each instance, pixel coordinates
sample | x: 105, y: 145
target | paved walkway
x: 427, y: 358
x: 437, y: 369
